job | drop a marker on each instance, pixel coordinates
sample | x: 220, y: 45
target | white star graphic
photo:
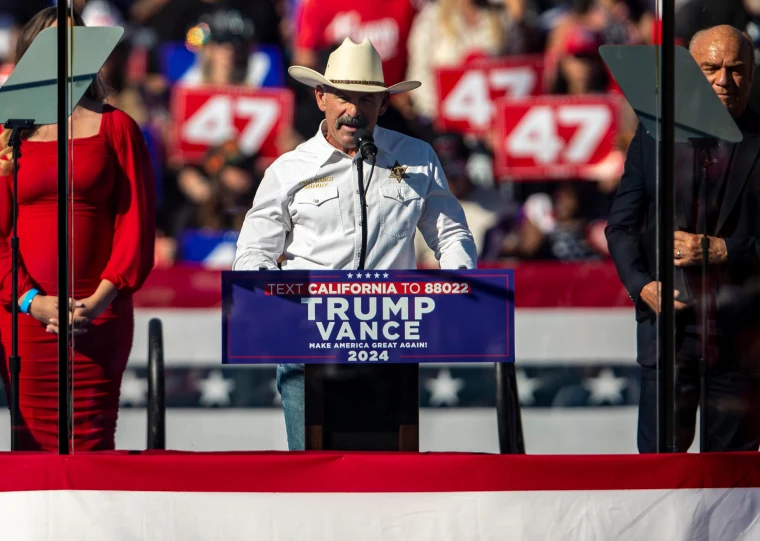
x: 215, y: 390
x: 358, y: 275
x: 350, y: 275
x: 368, y: 275
x: 133, y: 389
x: 605, y: 387
x: 277, y: 400
x: 443, y: 388
x: 526, y: 387
x: 385, y: 275
x: 377, y: 275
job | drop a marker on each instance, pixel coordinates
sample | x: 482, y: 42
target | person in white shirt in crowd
x: 307, y: 214
x: 449, y: 33
x: 482, y: 205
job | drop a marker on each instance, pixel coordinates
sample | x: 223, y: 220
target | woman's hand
x: 44, y: 308
x: 90, y: 308
x: 83, y: 311
x: 77, y: 322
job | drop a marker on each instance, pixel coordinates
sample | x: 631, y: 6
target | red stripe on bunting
x: 537, y: 285
x: 313, y: 472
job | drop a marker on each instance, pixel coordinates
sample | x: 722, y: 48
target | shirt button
x: 357, y: 191
x: 316, y: 200
x: 360, y: 222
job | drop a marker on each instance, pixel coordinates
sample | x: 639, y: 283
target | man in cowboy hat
x: 307, y: 214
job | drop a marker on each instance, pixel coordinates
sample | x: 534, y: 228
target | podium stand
x: 362, y: 408
x: 361, y: 338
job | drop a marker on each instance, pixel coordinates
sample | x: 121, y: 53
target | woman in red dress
x: 112, y: 252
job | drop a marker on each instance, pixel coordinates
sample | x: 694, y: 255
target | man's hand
x: 652, y: 295
x: 687, y: 250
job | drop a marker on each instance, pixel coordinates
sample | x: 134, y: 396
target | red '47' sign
x: 467, y: 94
x: 553, y: 137
x: 205, y: 116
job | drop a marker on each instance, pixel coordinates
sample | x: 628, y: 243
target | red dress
x: 113, y: 239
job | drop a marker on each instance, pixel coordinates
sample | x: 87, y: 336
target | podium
x: 362, y: 336
x: 362, y: 408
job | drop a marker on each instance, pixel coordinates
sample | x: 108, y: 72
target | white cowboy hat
x: 352, y: 67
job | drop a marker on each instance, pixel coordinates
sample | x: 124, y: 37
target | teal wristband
x: 28, y: 300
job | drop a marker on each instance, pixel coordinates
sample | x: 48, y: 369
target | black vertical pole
x: 14, y: 361
x: 508, y: 416
x: 667, y: 271
x: 156, y: 388
x: 63, y: 244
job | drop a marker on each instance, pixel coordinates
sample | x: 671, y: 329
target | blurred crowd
x: 542, y: 219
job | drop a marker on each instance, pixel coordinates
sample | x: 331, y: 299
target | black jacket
x: 632, y: 229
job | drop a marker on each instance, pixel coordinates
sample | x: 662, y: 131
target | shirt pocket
x: 318, y: 209
x: 401, y: 207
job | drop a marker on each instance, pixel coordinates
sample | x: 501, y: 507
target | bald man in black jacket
x: 732, y: 218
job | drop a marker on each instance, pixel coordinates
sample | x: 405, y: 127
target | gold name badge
x: 315, y: 183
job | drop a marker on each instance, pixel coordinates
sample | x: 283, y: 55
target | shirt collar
x: 325, y: 150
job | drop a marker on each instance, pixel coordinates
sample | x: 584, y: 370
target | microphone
x: 366, y: 144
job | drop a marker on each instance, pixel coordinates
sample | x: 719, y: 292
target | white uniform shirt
x: 307, y: 208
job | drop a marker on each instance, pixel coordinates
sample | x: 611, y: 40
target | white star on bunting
x: 605, y: 387
x: 444, y: 389
x: 133, y: 389
x: 215, y: 390
x: 526, y: 387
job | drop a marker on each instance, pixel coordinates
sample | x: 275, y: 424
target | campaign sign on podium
x: 368, y: 317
